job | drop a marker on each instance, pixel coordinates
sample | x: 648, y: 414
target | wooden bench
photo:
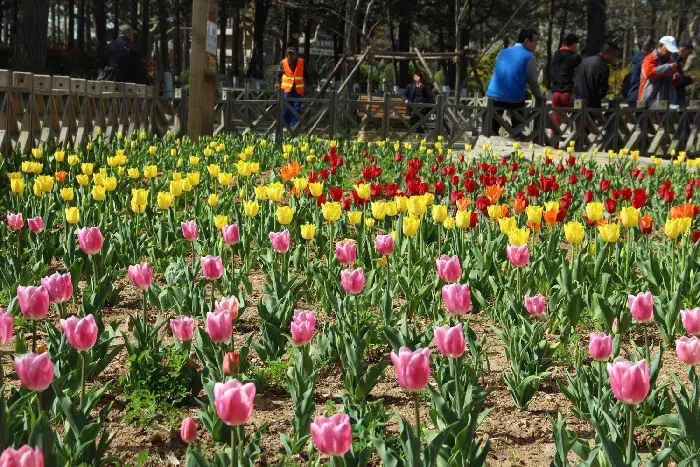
x: 373, y: 108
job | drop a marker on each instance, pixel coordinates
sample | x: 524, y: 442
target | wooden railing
x: 36, y: 109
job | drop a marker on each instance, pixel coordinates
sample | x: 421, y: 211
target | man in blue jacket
x: 516, y: 69
x: 636, y: 74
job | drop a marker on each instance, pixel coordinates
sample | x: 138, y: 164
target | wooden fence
x: 35, y: 109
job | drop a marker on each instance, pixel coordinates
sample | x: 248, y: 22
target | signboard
x: 212, y: 32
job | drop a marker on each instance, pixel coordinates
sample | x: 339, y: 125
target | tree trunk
x: 223, y: 20
x: 236, y: 41
x: 292, y: 39
x: 564, y: 18
x: 134, y: 15
x: 145, y: 27
x: 256, y: 67
x: 54, y: 23
x: 100, y: 26
x: 163, y: 33
x: 188, y: 37
x: 88, y: 25
x: 71, y: 24
x: 81, y: 25
x: 31, y: 39
x: 115, y: 33
x: 307, y: 50
x: 596, y: 27
x: 550, y: 39
x: 352, y: 15
x: 404, y: 46
x: 177, y: 55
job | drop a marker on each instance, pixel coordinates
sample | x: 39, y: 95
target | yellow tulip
x: 369, y: 223
x: 142, y: 134
x: 83, y: 180
x: 495, y: 211
x: 152, y: 150
x: 213, y: 200
x: 519, y: 237
x: 379, y: 210
x: 225, y: 178
x: 220, y: 221
x: 449, y: 223
x: 354, y: 217
x: 463, y: 219
x: 551, y: 205
x: 139, y: 195
x: 417, y: 206
x: 301, y: 183
x: 609, y: 232
x: 391, y: 208
x: 193, y: 178
x: 316, y: 188
x: 137, y: 208
x: 675, y: 227
x: 186, y: 185
x: 67, y: 194
x: 150, y: 171
x: 59, y: 156
x: 37, y: 153
x: 331, y: 211
x: 110, y: 183
x: 17, y: 186
x: 629, y: 216
x: 98, y: 193
x: 285, y: 214
x: 308, y: 231
x: 275, y: 191
x: 251, y: 208
x: 574, y: 232
x: 507, y: 225
x: 429, y: 198
x: 72, y: 215
x: 72, y: 160
x: 260, y: 193
x: 401, y: 203
x: 214, y: 170
x: 133, y: 173
x: 594, y: 211
x: 534, y: 214
x: 87, y: 168
x: 362, y: 190
x: 175, y: 188
x: 439, y: 213
x: 165, y: 199
x: 410, y: 226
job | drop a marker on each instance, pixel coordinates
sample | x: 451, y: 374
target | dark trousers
x: 289, y: 117
x: 501, y: 108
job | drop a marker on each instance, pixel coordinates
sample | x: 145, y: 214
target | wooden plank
x: 202, y: 85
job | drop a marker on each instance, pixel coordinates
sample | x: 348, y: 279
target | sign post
x: 202, y: 69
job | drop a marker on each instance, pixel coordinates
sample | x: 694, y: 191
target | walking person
x: 292, y: 84
x: 591, y: 80
x: 680, y: 80
x: 658, y: 71
x: 121, y: 61
x: 561, y: 72
x: 636, y: 73
x: 516, y: 69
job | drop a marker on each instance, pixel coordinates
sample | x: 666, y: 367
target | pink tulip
x: 189, y: 230
x: 232, y: 364
x: 188, y: 430
x: 691, y: 321
x: 22, y: 457
x: 384, y: 244
x: 212, y: 267
x: 234, y: 401
x: 303, y: 325
x: 219, y: 325
x: 450, y: 340
x: 230, y: 234
x: 230, y: 304
x: 58, y: 286
x: 35, y: 371
x: 457, y: 299
x: 81, y: 333
x: 449, y: 268
x: 518, y: 256
x: 33, y: 301
x: 280, y: 241
x: 535, y: 305
x: 15, y: 221
x: 183, y: 328
x: 412, y: 368
x: 641, y: 306
x: 346, y: 252
x: 141, y: 275
x: 688, y: 350
x: 629, y: 383
x: 353, y: 280
x: 332, y: 435
x: 36, y: 224
x: 7, y: 326
x: 600, y: 346
x: 90, y: 240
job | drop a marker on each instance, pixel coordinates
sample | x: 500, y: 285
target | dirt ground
x: 518, y: 437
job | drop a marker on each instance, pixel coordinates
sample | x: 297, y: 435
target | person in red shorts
x: 561, y: 72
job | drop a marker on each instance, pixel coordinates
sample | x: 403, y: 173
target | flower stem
x: 234, y: 455
x: 145, y: 319
x: 234, y: 286
x: 82, y: 381
x: 600, y: 380
x: 33, y: 336
x: 647, y: 352
x: 630, y: 433
x: 417, y: 415
x: 458, y: 386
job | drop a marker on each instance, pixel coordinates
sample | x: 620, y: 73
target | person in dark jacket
x: 121, y: 61
x: 419, y: 92
x: 636, y: 74
x: 591, y: 80
x: 682, y: 80
x: 561, y: 72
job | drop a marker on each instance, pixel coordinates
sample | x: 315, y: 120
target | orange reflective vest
x: 293, y: 79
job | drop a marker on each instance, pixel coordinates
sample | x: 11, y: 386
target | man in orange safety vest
x: 292, y: 84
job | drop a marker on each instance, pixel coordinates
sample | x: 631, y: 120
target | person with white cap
x: 658, y: 71
x: 121, y: 61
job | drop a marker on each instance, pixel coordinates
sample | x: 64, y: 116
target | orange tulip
x: 646, y: 224
x: 60, y: 176
x: 684, y: 210
x: 463, y: 203
x: 494, y: 192
x: 534, y: 226
x: 290, y: 171
x: 550, y: 217
x: 519, y: 205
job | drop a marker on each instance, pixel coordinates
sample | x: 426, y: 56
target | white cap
x: 670, y: 43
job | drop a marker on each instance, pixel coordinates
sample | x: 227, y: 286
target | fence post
x: 581, y: 124
x: 643, y: 146
x: 385, y: 116
x: 487, y: 125
x: 542, y: 124
x: 616, y: 127
x: 228, y: 124
x: 279, y: 127
x: 331, y: 111
x: 439, y: 114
